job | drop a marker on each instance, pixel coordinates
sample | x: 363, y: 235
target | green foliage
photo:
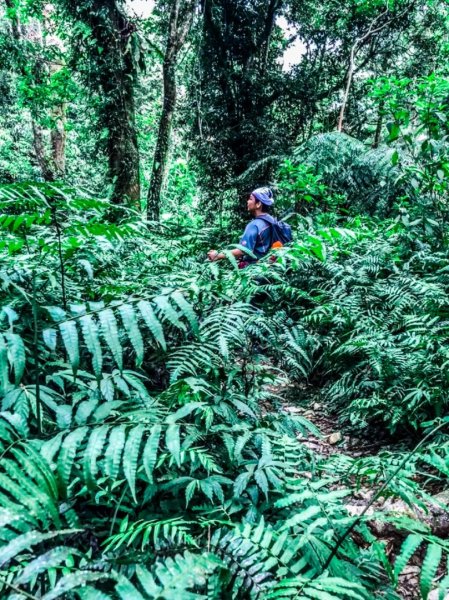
x: 355, y: 176
x: 367, y: 313
x: 145, y: 446
x: 177, y: 452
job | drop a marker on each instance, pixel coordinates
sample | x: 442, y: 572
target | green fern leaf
x: 4, y: 371
x: 25, y: 541
x: 131, y: 456
x: 109, y: 329
x: 129, y: 320
x: 21, y: 497
x: 52, y: 558
x: 91, y: 339
x: 152, y: 322
x: 148, y: 583
x: 278, y: 546
x: 173, y: 441
x: 302, y: 517
x: 262, y: 481
x: 72, y: 581
x: 89, y: 593
x: 38, y: 465
x: 126, y: 590
x: 408, y: 548
x: 168, y: 312
x: 151, y: 450
x: 315, y: 594
x: 50, y: 338
x: 184, y: 411
x: 114, y: 451
x: 56, y: 313
x: 429, y: 568
x: 44, y: 505
x: 69, y: 334
x: 16, y: 355
x: 93, y: 451
x: 187, y: 311
x: 67, y: 454
x: 8, y: 517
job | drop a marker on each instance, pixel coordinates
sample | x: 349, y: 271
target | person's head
x: 260, y: 201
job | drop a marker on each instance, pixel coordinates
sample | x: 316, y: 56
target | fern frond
x: 157, y: 534
x: 90, y: 332
x: 69, y: 334
x: 429, y: 568
x: 177, y: 577
x: 129, y: 320
x: 131, y: 456
x: 16, y: 355
x: 152, y: 322
x: 408, y: 549
x: 109, y: 329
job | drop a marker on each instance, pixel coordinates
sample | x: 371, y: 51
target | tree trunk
x: 16, y: 28
x: 58, y: 139
x: 33, y: 33
x: 45, y: 164
x: 270, y: 18
x: 163, y: 141
x: 58, y: 111
x: 123, y: 151
x: 373, y: 29
x: 49, y: 149
x: 117, y: 79
x: 113, y: 73
x: 379, y: 124
x: 181, y: 18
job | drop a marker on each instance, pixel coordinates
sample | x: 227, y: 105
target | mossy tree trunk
x: 112, y: 72
x: 181, y: 18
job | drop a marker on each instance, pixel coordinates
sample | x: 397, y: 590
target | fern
x: 174, y: 578
x: 195, y: 449
x: 323, y: 588
x: 129, y: 320
x: 110, y: 333
x: 152, y: 322
x: 432, y: 558
x: 113, y: 450
x: 31, y: 522
x: 81, y: 318
x: 157, y: 534
x: 131, y: 456
x: 366, y: 176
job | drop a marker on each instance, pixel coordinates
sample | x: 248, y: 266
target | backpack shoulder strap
x: 273, y: 228
x: 272, y: 224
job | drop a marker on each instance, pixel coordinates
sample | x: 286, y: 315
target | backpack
x: 281, y: 233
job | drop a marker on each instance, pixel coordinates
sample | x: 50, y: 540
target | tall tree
x: 181, y: 18
x: 251, y: 109
x: 37, y: 55
x: 56, y: 68
x: 110, y: 67
x: 238, y: 81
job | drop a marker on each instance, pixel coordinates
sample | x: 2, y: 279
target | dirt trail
x: 333, y: 442
x: 334, y: 439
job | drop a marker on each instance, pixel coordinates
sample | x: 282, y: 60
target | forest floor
x: 336, y: 441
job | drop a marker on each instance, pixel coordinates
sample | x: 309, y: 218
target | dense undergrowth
x: 146, y: 452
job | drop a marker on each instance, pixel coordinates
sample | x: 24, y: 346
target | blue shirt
x: 257, y: 237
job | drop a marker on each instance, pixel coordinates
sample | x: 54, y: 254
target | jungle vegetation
x: 153, y: 439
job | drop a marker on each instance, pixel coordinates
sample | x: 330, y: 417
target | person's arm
x: 248, y: 240
x: 214, y: 255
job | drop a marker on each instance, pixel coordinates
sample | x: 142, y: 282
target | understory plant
x: 146, y: 451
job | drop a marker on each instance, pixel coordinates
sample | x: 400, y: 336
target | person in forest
x: 262, y: 233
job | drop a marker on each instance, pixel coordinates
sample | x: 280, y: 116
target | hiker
x: 262, y: 233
